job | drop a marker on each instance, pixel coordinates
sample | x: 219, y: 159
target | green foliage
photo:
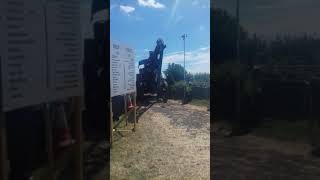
x: 201, y: 79
x: 228, y: 71
x: 174, y: 76
x: 178, y: 86
x: 287, y: 49
x: 189, y: 77
x: 284, y: 49
x: 298, y: 49
x: 226, y: 75
x: 174, y: 73
x: 225, y: 35
x: 176, y: 90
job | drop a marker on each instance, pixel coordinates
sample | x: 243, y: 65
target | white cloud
x: 151, y: 3
x: 127, y: 9
x: 196, y: 61
x: 204, y: 48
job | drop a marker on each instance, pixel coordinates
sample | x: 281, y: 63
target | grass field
x: 200, y: 102
x: 171, y: 141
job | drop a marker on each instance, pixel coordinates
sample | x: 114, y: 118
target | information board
x: 40, y: 51
x: 122, y: 69
x: 22, y: 53
x: 65, y: 58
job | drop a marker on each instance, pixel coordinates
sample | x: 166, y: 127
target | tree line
x: 284, y: 49
x: 174, y: 74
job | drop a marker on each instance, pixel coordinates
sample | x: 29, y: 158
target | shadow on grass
x: 142, y: 107
x: 96, y: 159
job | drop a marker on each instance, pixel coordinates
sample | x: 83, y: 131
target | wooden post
x: 308, y: 100
x: 111, y: 121
x: 134, y: 110
x: 3, y: 149
x: 125, y: 108
x: 49, y: 139
x: 77, y: 173
x: 310, y: 112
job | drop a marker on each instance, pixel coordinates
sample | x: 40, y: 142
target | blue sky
x: 139, y: 23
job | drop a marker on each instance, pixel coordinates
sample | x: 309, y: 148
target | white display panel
x: 41, y: 51
x: 22, y: 53
x: 65, y: 54
x: 122, y: 69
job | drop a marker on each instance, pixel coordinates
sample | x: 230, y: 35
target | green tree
x: 201, y: 79
x: 174, y: 73
x: 224, y: 36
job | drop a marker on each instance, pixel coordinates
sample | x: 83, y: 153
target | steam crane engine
x: 149, y: 79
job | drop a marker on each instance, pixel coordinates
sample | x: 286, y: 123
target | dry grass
x: 171, y: 142
x: 263, y: 156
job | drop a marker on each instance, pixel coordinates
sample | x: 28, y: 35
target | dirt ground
x: 253, y: 157
x: 172, y: 141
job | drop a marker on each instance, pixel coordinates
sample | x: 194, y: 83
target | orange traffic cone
x: 130, y: 106
x: 65, y: 138
x: 63, y: 132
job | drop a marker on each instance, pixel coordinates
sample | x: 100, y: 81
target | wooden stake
x: 77, y: 134
x: 111, y: 122
x: 49, y: 139
x: 310, y: 115
x: 125, y: 108
x: 3, y: 149
x: 134, y: 110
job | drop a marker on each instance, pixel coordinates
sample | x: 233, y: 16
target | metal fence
x: 200, y: 92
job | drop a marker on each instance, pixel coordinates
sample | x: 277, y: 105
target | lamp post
x: 184, y: 66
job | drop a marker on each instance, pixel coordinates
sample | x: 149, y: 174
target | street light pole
x: 184, y: 66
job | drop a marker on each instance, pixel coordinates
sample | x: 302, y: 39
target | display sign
x: 40, y: 51
x: 22, y: 53
x: 122, y: 69
x: 65, y: 59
